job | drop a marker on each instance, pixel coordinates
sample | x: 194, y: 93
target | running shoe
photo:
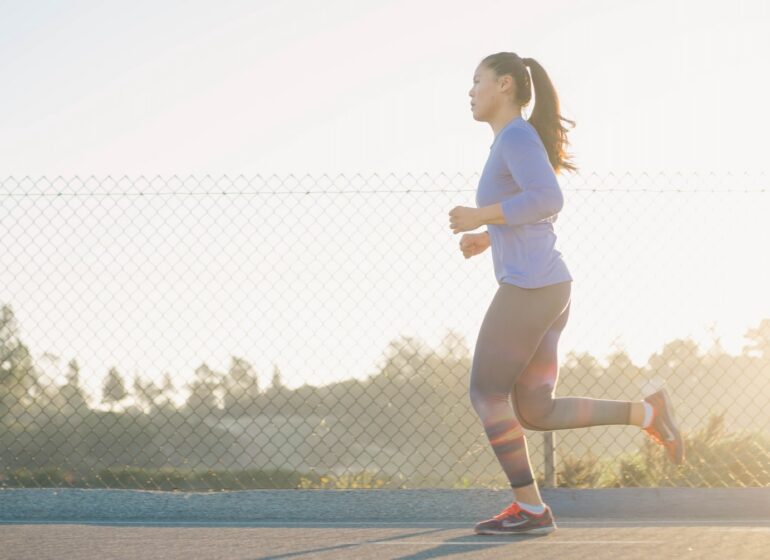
x: 663, y: 428
x: 516, y: 521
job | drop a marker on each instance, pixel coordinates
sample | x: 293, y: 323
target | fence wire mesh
x: 230, y: 333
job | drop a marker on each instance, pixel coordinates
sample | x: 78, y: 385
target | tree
x: 113, y: 389
x: 403, y: 359
x: 204, y: 391
x: 759, y: 340
x: 146, y: 393
x: 18, y: 378
x: 168, y: 388
x: 453, y: 346
x: 72, y: 394
x: 681, y: 354
x: 276, y: 397
x: 241, y: 387
x: 276, y: 384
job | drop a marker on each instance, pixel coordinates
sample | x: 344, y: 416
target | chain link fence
x: 317, y: 332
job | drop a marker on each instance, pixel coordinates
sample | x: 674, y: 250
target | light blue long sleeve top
x: 519, y: 175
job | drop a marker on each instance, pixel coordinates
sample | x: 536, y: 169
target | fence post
x: 549, y: 451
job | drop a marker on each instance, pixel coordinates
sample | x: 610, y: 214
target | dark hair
x: 545, y: 116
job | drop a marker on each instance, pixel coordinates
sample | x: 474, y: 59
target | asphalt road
x: 595, y: 539
x: 625, y: 523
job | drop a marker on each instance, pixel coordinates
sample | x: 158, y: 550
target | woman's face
x: 489, y: 92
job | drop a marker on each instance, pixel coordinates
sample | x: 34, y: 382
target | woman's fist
x: 474, y: 243
x: 464, y: 218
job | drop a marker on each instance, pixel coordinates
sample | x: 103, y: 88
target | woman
x: 515, y: 359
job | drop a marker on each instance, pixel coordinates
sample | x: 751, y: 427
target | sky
x: 237, y: 87
x: 294, y: 88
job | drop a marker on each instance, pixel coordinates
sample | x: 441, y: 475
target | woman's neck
x: 499, y: 121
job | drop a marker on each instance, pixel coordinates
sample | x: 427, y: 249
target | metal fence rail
x: 205, y: 333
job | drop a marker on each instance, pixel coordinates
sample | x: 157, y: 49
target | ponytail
x: 545, y: 117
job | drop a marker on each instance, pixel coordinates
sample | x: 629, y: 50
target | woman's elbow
x: 561, y: 201
x: 555, y: 202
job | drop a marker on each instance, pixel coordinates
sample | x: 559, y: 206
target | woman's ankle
x: 528, y: 494
x: 636, y: 416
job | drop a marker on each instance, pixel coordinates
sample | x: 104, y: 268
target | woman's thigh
x: 543, y: 368
x: 512, y: 329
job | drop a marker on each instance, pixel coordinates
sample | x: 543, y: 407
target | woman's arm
x: 528, y: 163
x: 492, y: 214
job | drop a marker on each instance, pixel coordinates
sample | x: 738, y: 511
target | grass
x: 714, y: 458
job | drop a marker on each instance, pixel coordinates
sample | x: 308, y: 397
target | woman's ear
x: 506, y: 84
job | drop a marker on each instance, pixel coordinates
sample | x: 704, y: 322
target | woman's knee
x: 487, y: 402
x: 533, y: 406
x: 476, y: 398
x: 479, y: 400
x: 523, y: 421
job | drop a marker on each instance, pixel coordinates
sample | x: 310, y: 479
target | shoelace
x: 512, y: 509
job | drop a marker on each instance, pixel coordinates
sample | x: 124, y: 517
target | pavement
x: 659, y: 523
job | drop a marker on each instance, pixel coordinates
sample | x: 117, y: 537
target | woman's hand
x: 463, y: 218
x: 474, y: 243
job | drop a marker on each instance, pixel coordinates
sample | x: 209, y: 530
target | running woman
x: 514, y: 368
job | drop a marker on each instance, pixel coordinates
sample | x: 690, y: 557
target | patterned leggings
x: 515, y: 361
